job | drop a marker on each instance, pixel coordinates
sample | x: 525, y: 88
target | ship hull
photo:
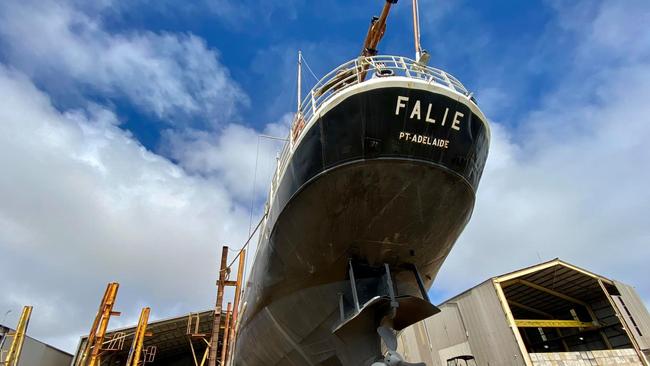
x: 357, y: 188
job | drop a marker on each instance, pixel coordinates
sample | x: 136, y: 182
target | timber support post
x: 224, y: 272
x: 229, y: 336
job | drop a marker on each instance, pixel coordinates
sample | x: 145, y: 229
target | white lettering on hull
x: 423, y: 140
x: 415, y: 113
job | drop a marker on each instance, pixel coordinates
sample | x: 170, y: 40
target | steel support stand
x: 138, y: 338
x: 92, y: 351
x: 18, y: 338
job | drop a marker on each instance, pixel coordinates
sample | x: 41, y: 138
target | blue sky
x: 130, y: 138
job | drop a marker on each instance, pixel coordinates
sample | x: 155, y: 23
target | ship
x: 376, y: 182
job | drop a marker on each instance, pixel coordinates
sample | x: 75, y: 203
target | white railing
x: 355, y: 72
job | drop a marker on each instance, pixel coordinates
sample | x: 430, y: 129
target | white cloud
x: 83, y: 204
x: 572, y: 181
x: 607, y: 29
x: 172, y: 76
x: 236, y: 155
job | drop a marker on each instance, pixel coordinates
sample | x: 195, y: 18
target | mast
x: 416, y: 29
x: 298, y: 122
x: 422, y: 57
x: 299, y: 82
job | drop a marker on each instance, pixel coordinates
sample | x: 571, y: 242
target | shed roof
x: 168, y: 335
x: 555, y: 274
x: 548, y: 269
x: 552, y: 287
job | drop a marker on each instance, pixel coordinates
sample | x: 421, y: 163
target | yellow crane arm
x: 377, y: 30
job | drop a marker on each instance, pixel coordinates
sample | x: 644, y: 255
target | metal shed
x: 553, y: 313
x: 175, y: 341
x: 35, y: 352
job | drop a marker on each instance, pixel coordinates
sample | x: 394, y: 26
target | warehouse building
x: 33, y: 352
x: 550, y: 314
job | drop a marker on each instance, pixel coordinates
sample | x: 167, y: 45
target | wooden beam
x: 224, y: 271
x: 235, y: 311
x: 564, y: 344
x: 560, y: 295
x: 550, y: 292
x: 585, y: 272
x: 226, y: 335
x: 526, y: 271
x: 531, y: 309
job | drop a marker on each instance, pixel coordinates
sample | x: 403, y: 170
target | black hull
x: 357, y: 188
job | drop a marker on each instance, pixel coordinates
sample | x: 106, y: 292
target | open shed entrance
x: 180, y: 341
x: 559, y: 308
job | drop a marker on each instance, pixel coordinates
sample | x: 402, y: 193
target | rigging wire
x: 257, y: 158
x: 254, y: 188
x: 274, y: 138
x: 247, y: 242
x: 309, y: 68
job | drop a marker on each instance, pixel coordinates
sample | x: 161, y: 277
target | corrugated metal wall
x: 414, y: 345
x: 472, y: 322
x: 475, y: 323
x: 638, y: 312
x: 35, y: 353
x: 490, y: 337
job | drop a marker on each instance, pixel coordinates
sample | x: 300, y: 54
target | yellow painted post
x: 511, y: 322
x: 138, y: 338
x: 95, y: 341
x: 19, y: 337
x: 93, y: 331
